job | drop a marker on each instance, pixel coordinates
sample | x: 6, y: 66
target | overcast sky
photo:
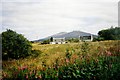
x: 37, y: 19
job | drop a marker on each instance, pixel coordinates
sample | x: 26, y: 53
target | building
x: 86, y: 38
x: 58, y: 41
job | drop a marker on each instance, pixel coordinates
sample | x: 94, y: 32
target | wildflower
x: 30, y: 73
x: 19, y: 68
x: 108, y: 53
x: 4, y: 74
x: 26, y: 77
x: 67, y: 60
x: 40, y: 76
x: 24, y: 67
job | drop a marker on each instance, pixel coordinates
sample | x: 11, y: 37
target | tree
x: 51, y: 39
x: 110, y: 34
x: 14, y: 45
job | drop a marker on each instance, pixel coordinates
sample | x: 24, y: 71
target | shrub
x: 14, y: 45
x: 46, y: 42
x: 76, y: 40
x: 35, y: 53
x: 98, y: 39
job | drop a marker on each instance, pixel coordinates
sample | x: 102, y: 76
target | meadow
x: 82, y: 61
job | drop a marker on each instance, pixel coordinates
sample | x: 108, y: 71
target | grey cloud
x: 40, y: 19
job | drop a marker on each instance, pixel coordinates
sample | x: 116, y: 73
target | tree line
x: 108, y: 34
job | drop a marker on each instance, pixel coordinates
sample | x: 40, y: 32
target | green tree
x: 110, y: 34
x: 51, y: 39
x: 14, y: 45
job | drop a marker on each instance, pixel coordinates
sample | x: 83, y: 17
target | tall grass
x: 82, y: 61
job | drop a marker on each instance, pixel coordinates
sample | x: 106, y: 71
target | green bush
x: 73, y: 40
x: 35, y: 53
x: 46, y: 42
x: 98, y: 39
x: 14, y: 45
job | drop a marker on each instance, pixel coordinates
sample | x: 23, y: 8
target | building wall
x: 52, y: 43
x: 58, y: 41
x: 86, y: 38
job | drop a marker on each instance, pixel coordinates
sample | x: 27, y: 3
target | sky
x: 37, y: 19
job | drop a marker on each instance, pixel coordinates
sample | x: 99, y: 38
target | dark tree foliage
x: 51, y: 39
x: 110, y: 34
x: 14, y: 45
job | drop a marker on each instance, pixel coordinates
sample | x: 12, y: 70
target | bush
x: 14, y: 45
x: 35, y: 53
x: 73, y: 40
x: 98, y: 39
x: 46, y: 42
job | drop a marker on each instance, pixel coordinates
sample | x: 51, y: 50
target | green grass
x: 91, y: 60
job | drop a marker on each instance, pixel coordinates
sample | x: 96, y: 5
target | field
x: 82, y: 61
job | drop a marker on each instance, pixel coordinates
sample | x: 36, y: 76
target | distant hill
x: 67, y: 35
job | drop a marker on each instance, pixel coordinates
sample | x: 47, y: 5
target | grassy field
x: 84, y: 60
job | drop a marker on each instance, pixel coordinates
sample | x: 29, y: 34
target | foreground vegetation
x: 82, y: 61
